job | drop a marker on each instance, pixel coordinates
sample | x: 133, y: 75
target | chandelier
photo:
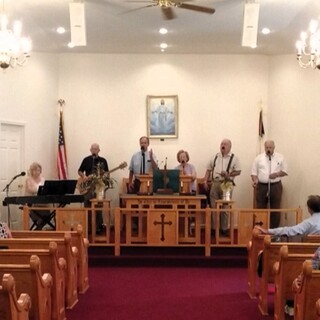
x: 308, y: 47
x: 14, y: 49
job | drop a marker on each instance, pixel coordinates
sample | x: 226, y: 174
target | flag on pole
x: 62, y: 153
x: 261, y: 127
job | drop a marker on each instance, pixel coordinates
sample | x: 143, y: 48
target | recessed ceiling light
x: 163, y: 46
x: 163, y: 30
x: 61, y: 30
x: 265, y: 31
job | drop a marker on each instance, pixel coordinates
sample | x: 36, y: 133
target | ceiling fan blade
x: 136, y: 9
x: 196, y: 8
x: 168, y: 13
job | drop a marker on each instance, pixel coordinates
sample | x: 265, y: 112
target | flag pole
x: 261, y: 133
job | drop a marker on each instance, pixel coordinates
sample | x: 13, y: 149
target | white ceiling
x: 113, y: 26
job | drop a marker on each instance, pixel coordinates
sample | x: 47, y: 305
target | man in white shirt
x: 267, y: 170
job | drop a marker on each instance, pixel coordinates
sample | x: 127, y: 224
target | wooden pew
x: 65, y: 250
x: 271, y: 254
x: 77, y: 240
x: 29, y: 279
x: 254, y: 246
x: 286, y: 270
x: 12, y: 308
x: 318, y: 309
x: 50, y: 263
x: 307, y: 294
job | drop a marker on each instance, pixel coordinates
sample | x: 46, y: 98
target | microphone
x: 165, y: 164
x: 19, y: 175
x: 269, y: 155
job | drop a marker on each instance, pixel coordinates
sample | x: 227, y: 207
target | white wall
x: 219, y: 96
x: 28, y: 95
x: 294, y: 114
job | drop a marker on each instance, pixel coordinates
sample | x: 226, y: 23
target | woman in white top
x: 34, y: 179
x: 33, y: 182
x: 187, y: 168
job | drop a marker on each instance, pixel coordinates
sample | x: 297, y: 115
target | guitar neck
x: 112, y: 170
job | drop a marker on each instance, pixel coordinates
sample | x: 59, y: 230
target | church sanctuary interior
x: 186, y: 74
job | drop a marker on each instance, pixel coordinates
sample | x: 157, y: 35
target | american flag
x: 62, y: 153
x: 261, y: 126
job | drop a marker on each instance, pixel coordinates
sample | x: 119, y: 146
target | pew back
x: 307, y: 293
x: 50, y: 263
x: 29, y: 279
x: 11, y: 307
x: 77, y: 240
x: 271, y: 254
x: 65, y: 250
x: 286, y: 270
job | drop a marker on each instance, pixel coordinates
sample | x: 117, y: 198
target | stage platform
x: 100, y: 256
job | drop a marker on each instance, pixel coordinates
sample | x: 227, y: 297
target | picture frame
x: 162, y: 117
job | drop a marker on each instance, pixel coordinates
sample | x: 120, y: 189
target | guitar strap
x: 214, y: 165
x: 230, y: 161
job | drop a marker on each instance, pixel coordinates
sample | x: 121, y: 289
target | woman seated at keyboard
x: 33, y: 182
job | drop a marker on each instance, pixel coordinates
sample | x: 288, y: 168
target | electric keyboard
x: 62, y: 200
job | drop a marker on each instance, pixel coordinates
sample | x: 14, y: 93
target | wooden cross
x: 260, y: 223
x: 162, y: 222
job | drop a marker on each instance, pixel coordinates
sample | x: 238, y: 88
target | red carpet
x: 166, y: 293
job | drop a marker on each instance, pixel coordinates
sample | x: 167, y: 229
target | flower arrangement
x: 227, y: 185
x: 101, y: 179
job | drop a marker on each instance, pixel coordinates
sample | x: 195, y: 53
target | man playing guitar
x: 86, y: 169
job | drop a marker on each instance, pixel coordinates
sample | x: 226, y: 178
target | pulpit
x: 146, y: 183
x: 185, y: 184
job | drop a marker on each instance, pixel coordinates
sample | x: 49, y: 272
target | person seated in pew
x: 32, y: 185
x: 186, y: 168
x: 306, y: 227
x: 4, y: 231
x: 315, y: 261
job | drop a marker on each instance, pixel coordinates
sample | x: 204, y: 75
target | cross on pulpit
x: 163, y: 223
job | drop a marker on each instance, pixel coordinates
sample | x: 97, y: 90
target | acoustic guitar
x: 84, y: 186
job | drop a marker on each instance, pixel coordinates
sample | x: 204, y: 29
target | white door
x: 11, y: 159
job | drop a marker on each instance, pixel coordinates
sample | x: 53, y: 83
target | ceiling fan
x: 167, y: 5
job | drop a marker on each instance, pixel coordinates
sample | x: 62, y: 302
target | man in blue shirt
x: 142, y: 162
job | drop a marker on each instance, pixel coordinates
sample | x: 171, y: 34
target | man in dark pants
x: 88, y: 166
x: 267, y: 170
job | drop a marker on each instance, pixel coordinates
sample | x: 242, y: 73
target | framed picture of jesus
x: 162, y: 116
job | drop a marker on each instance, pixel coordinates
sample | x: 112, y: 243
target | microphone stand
x: 6, y: 188
x: 269, y: 184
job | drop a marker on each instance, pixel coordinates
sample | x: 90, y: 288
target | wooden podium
x: 146, y: 183
x: 185, y: 184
